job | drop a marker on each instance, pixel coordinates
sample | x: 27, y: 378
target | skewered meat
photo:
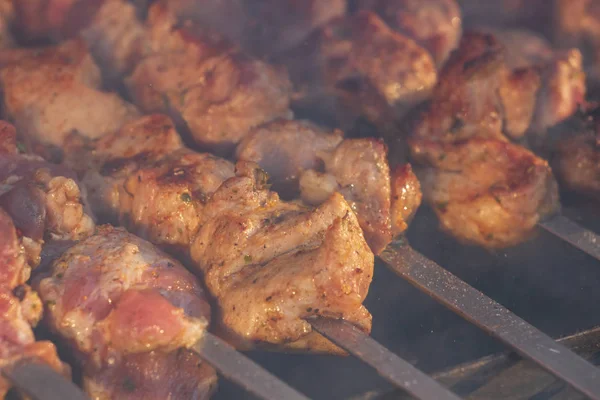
x: 50, y: 93
x: 434, y: 24
x: 20, y: 308
x: 576, y: 153
x: 42, y: 199
x: 485, y: 191
x: 359, y: 67
x: 131, y: 312
x: 269, y: 264
x: 299, y: 156
x: 261, y: 27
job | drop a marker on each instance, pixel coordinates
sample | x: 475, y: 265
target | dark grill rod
x: 493, y: 318
x: 40, y: 382
x: 390, y: 366
x: 584, y: 239
x: 243, y: 371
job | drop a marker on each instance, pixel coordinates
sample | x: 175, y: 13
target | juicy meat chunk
x: 51, y: 92
x: 485, y: 191
x: 434, y: 24
x: 261, y: 27
x: 270, y: 264
x: 20, y: 308
x: 121, y: 303
x: 214, y: 89
x: 301, y: 157
x: 286, y: 148
x: 359, y: 67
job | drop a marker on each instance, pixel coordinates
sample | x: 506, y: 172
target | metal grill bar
x: 245, y: 372
x: 493, y: 318
x: 584, y: 239
x: 389, y: 365
x: 40, y: 382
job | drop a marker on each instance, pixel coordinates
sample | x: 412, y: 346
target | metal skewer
x: 390, y: 366
x: 40, y: 382
x: 584, y: 239
x: 245, y: 372
x: 493, y: 318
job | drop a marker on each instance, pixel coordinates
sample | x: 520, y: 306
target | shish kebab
x: 150, y: 128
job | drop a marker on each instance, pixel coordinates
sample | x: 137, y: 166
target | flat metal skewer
x: 573, y: 233
x: 389, y: 365
x: 493, y: 318
x: 243, y: 371
x: 40, y: 382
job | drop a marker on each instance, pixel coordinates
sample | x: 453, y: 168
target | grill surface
x: 545, y: 281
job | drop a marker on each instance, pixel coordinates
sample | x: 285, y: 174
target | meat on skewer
x: 237, y: 233
x: 434, y: 24
x: 130, y: 313
x: 303, y: 159
x: 38, y: 202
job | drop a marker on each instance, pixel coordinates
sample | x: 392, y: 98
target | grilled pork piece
x: 43, y: 199
x: 261, y: 27
x: 576, y: 153
x: 485, y: 191
x: 434, y: 24
x: 359, y: 67
x: 20, y: 308
x: 269, y: 264
x: 130, y: 312
x: 299, y: 156
x: 49, y: 93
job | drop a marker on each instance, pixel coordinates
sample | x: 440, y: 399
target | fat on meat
x: 130, y: 312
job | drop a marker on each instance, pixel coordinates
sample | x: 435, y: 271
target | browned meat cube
x: 434, y: 24
x: 359, y: 67
x: 52, y: 92
x: 485, y: 191
x: 130, y: 312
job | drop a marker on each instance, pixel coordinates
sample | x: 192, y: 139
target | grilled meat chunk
x: 217, y: 91
x: 485, y: 191
x: 20, y: 308
x: 434, y: 24
x: 359, y: 67
x: 43, y: 199
x: 299, y: 156
x: 130, y: 312
x: 270, y: 264
x: 49, y: 93
x: 261, y: 27
x: 575, y: 154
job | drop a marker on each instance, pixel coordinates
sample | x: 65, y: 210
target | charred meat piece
x: 270, y: 264
x: 434, y: 24
x: 51, y: 92
x: 359, y: 67
x: 301, y: 157
x: 485, y: 191
x: 20, y: 308
x: 214, y: 89
x: 141, y: 177
x: 576, y: 153
x: 43, y: 199
x: 130, y: 312
x: 261, y: 27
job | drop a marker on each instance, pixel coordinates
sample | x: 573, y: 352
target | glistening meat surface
x: 130, y: 312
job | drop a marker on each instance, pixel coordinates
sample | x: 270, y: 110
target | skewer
x: 390, y: 366
x: 40, y: 382
x: 573, y: 233
x: 493, y: 318
x: 243, y: 371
